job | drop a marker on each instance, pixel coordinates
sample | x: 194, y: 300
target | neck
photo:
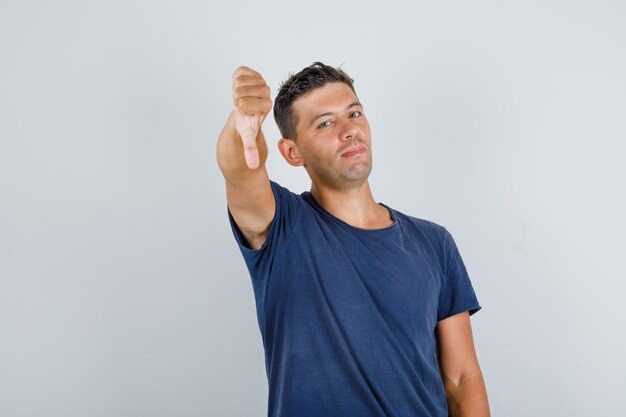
x: 355, y: 206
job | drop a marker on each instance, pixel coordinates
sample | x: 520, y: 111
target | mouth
x: 353, y: 152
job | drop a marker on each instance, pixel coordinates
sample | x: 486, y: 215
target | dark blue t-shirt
x: 348, y: 315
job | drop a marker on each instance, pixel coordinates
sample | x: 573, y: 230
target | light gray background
x: 122, y: 290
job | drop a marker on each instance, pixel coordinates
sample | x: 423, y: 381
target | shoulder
x: 424, y: 233
x: 288, y: 202
x: 281, y: 191
x: 425, y: 226
x: 279, y: 227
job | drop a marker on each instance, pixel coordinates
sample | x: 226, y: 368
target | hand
x: 251, y: 96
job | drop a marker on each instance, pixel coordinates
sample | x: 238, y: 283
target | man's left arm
x: 460, y: 371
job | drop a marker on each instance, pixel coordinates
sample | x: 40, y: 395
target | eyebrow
x: 356, y: 103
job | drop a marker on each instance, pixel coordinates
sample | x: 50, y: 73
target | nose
x: 349, y: 132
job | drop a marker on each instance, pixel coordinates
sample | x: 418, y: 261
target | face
x: 333, y: 136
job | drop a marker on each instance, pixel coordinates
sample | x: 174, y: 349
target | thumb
x: 248, y: 128
x: 250, y: 150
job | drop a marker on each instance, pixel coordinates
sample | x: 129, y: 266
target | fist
x: 251, y: 96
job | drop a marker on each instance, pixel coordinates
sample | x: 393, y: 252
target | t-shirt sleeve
x: 458, y: 294
x: 259, y: 261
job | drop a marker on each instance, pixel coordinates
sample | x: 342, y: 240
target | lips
x: 354, y: 151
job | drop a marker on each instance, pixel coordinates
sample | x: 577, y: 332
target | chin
x: 357, y: 174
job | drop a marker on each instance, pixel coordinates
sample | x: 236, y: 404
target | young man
x: 363, y: 310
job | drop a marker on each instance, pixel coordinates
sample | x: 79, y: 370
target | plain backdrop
x: 122, y: 290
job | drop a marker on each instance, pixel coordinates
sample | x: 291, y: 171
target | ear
x: 289, y: 150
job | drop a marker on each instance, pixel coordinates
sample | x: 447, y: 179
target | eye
x: 323, y: 124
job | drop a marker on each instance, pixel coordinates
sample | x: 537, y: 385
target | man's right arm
x: 241, y: 156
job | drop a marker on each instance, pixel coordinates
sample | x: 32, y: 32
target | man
x: 363, y: 310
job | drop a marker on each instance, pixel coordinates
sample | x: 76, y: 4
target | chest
x: 391, y: 280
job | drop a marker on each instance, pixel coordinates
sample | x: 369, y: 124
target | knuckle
x: 242, y: 103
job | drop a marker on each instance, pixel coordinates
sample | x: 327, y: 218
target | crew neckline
x: 309, y: 197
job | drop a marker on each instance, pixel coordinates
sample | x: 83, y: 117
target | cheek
x: 367, y: 131
x: 366, y: 125
x: 319, y: 155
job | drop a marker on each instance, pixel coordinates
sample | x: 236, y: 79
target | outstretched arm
x: 241, y: 155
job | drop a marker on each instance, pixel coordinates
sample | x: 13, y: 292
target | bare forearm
x: 468, y: 398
